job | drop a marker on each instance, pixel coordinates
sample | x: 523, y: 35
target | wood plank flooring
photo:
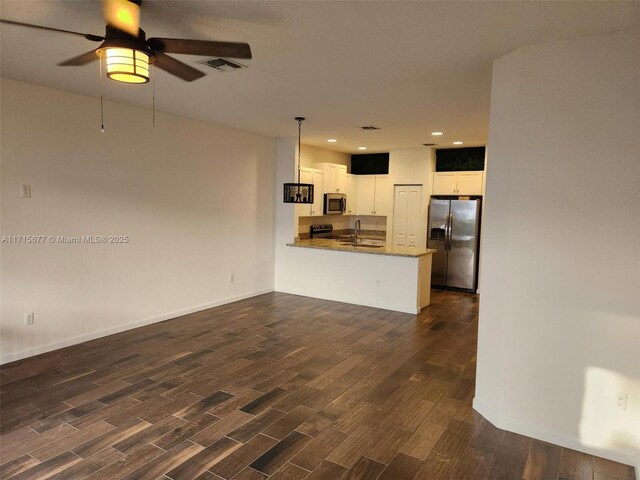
x: 277, y: 386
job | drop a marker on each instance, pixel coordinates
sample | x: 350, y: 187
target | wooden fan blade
x: 201, y: 47
x: 88, y: 36
x: 176, y: 67
x: 80, y: 59
x: 123, y: 15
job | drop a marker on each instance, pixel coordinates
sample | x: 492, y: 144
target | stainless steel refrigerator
x: 454, y: 231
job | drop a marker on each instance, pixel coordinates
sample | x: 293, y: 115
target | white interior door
x: 414, y: 220
x: 407, y: 218
x: 400, y: 205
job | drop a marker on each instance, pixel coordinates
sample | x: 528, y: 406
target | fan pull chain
x: 101, y: 102
x: 153, y: 95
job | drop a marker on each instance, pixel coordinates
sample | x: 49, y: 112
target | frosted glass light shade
x: 127, y: 65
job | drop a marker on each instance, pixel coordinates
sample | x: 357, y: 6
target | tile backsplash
x: 342, y: 222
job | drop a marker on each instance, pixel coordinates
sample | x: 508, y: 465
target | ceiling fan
x: 127, y: 52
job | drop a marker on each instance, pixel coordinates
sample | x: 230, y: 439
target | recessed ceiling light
x: 332, y: 140
x: 437, y: 134
x: 362, y: 148
x: 458, y: 142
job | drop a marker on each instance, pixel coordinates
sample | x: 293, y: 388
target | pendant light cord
x: 299, y: 135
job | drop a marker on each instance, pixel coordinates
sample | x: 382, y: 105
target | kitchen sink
x: 361, y: 245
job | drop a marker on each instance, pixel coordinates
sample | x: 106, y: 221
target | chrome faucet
x: 356, y: 231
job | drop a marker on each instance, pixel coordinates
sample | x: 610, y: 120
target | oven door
x: 334, y: 204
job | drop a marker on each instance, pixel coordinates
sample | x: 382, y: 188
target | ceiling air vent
x: 429, y: 144
x: 222, y: 64
x: 370, y: 127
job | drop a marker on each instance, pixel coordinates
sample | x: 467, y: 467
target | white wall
x: 560, y: 307
x: 310, y: 155
x: 195, y: 199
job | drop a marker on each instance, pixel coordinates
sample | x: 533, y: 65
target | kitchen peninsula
x: 395, y: 278
x: 380, y: 274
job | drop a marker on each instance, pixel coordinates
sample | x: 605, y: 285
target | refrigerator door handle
x: 447, y: 243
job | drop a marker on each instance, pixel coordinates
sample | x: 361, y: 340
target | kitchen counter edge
x: 321, y: 244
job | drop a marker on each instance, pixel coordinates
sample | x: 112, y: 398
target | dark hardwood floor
x: 277, y: 386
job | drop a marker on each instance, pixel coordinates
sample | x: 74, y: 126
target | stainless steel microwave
x: 335, y: 203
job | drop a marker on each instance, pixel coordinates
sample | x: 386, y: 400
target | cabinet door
x: 383, y: 196
x: 365, y: 194
x: 330, y: 180
x: 350, y: 190
x: 341, y: 178
x: 317, y: 209
x: 469, y: 183
x: 306, y: 176
x: 445, y: 183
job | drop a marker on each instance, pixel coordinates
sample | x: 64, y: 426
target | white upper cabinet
x: 341, y: 179
x: 457, y: 183
x: 318, y: 195
x: 315, y: 176
x: 445, y: 183
x: 335, y: 177
x: 350, y: 189
x: 373, y: 196
x: 470, y: 183
x: 365, y: 195
x: 383, y: 196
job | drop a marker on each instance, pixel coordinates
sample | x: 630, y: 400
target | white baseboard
x: 533, y: 431
x: 30, y: 352
x: 354, y: 301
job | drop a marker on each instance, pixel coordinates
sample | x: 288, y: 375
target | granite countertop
x: 324, y: 244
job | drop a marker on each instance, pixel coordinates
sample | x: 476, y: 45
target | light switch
x: 25, y: 191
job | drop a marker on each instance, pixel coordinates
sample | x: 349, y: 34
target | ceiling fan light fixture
x: 127, y: 65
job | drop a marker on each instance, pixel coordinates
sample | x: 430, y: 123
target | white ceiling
x: 408, y: 67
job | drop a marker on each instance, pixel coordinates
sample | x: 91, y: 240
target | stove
x: 322, y: 231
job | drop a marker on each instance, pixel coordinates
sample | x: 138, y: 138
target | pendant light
x: 298, y: 192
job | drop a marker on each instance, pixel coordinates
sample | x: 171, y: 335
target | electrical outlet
x: 231, y: 278
x: 25, y: 191
x: 621, y: 401
x: 29, y: 318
